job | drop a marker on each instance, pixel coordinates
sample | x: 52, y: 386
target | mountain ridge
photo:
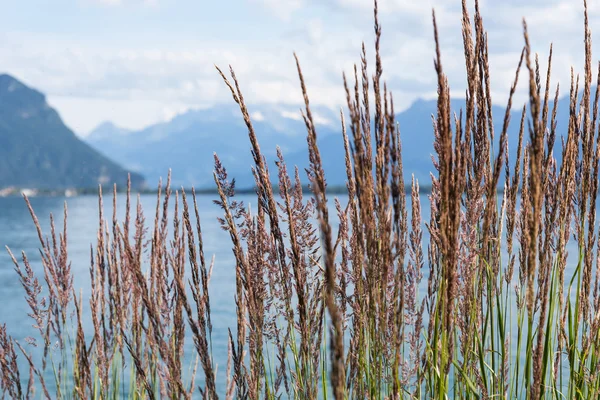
x: 38, y: 151
x: 187, y: 150
x: 187, y: 143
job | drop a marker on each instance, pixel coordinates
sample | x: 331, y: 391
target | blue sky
x: 137, y: 62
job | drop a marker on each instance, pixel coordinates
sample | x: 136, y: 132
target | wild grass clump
x: 488, y: 307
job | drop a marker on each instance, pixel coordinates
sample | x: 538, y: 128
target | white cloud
x: 321, y: 120
x: 168, y: 113
x: 83, y: 114
x: 296, y: 116
x: 283, y: 9
x: 315, y: 30
x: 149, y: 3
x: 65, y: 69
x: 136, y: 84
x: 257, y: 116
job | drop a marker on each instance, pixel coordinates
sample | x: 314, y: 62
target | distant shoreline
x: 31, y: 192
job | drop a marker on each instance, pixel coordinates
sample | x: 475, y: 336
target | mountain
x: 416, y: 135
x: 37, y: 150
x: 108, y: 131
x: 186, y: 144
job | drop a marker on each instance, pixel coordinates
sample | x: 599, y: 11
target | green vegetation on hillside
x: 37, y: 150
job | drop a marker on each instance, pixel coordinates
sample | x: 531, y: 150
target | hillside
x: 37, y: 150
x: 186, y: 144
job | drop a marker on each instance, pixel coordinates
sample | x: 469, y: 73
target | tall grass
x: 324, y: 312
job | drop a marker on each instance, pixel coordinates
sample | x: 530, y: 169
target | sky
x: 138, y: 62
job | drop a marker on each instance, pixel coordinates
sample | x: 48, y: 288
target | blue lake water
x: 17, y: 231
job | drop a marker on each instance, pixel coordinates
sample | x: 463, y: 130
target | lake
x: 18, y: 232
